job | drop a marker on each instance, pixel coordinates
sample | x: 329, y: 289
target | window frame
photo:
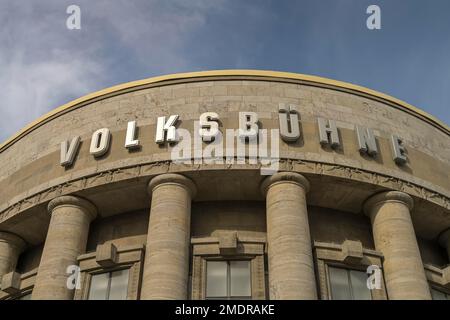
x: 128, y: 257
x: 440, y: 289
x: 347, y: 270
x: 438, y: 278
x: 228, y: 296
x: 210, y: 248
x: 23, y: 294
x: 18, y: 295
x: 109, y: 271
x: 27, y: 281
x: 332, y: 254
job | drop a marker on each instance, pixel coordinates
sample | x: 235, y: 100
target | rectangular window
x: 228, y: 280
x: 439, y: 295
x: 346, y: 284
x: 109, y: 285
x: 25, y: 297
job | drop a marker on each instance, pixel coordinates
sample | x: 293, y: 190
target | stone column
x: 66, y: 240
x: 11, y: 246
x: 166, y: 266
x: 291, y: 266
x: 444, y: 241
x: 394, y: 237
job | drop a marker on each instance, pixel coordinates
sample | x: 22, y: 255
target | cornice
x: 228, y: 75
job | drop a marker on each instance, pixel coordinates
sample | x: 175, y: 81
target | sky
x: 43, y: 64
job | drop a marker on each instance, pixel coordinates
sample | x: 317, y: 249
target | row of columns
x: 166, y: 265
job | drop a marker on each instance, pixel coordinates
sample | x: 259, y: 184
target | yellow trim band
x: 286, y: 76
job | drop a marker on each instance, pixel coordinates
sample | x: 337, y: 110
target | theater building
x: 356, y: 204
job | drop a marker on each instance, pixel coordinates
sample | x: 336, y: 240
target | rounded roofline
x: 202, y: 75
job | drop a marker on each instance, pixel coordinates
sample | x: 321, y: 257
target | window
x: 109, y: 285
x: 26, y: 296
x: 223, y: 269
x: 228, y: 280
x: 439, y: 295
x: 111, y: 272
x: 346, y: 284
x: 341, y: 271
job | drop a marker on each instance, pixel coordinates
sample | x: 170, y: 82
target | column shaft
x: 166, y: 266
x: 66, y: 240
x: 10, y: 248
x: 444, y: 241
x: 394, y: 237
x: 291, y: 266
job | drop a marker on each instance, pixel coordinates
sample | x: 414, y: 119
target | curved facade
x: 306, y: 185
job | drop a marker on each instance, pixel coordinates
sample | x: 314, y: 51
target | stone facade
x: 164, y: 220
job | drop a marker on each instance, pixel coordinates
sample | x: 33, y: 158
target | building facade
x: 233, y: 184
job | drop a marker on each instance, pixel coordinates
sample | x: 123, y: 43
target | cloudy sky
x: 44, y: 65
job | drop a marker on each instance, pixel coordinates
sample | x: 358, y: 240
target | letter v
x: 68, y: 152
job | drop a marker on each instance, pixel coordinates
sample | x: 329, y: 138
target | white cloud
x: 39, y: 66
x: 43, y: 64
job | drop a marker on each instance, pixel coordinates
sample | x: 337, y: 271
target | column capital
x: 285, y: 176
x: 172, y: 178
x: 13, y: 240
x: 387, y: 196
x: 73, y: 201
x: 444, y: 239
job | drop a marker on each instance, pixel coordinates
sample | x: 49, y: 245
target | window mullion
x: 228, y: 279
x: 108, y: 288
x: 350, y: 285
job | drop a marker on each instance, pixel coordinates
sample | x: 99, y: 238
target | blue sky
x: 44, y: 65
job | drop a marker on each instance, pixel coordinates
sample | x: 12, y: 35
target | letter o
x: 100, y: 142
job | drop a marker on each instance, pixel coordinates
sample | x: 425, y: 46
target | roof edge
x: 216, y: 73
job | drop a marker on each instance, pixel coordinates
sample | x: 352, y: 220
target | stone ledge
x: 49, y: 190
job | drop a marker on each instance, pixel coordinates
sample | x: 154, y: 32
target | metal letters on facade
x: 248, y: 132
